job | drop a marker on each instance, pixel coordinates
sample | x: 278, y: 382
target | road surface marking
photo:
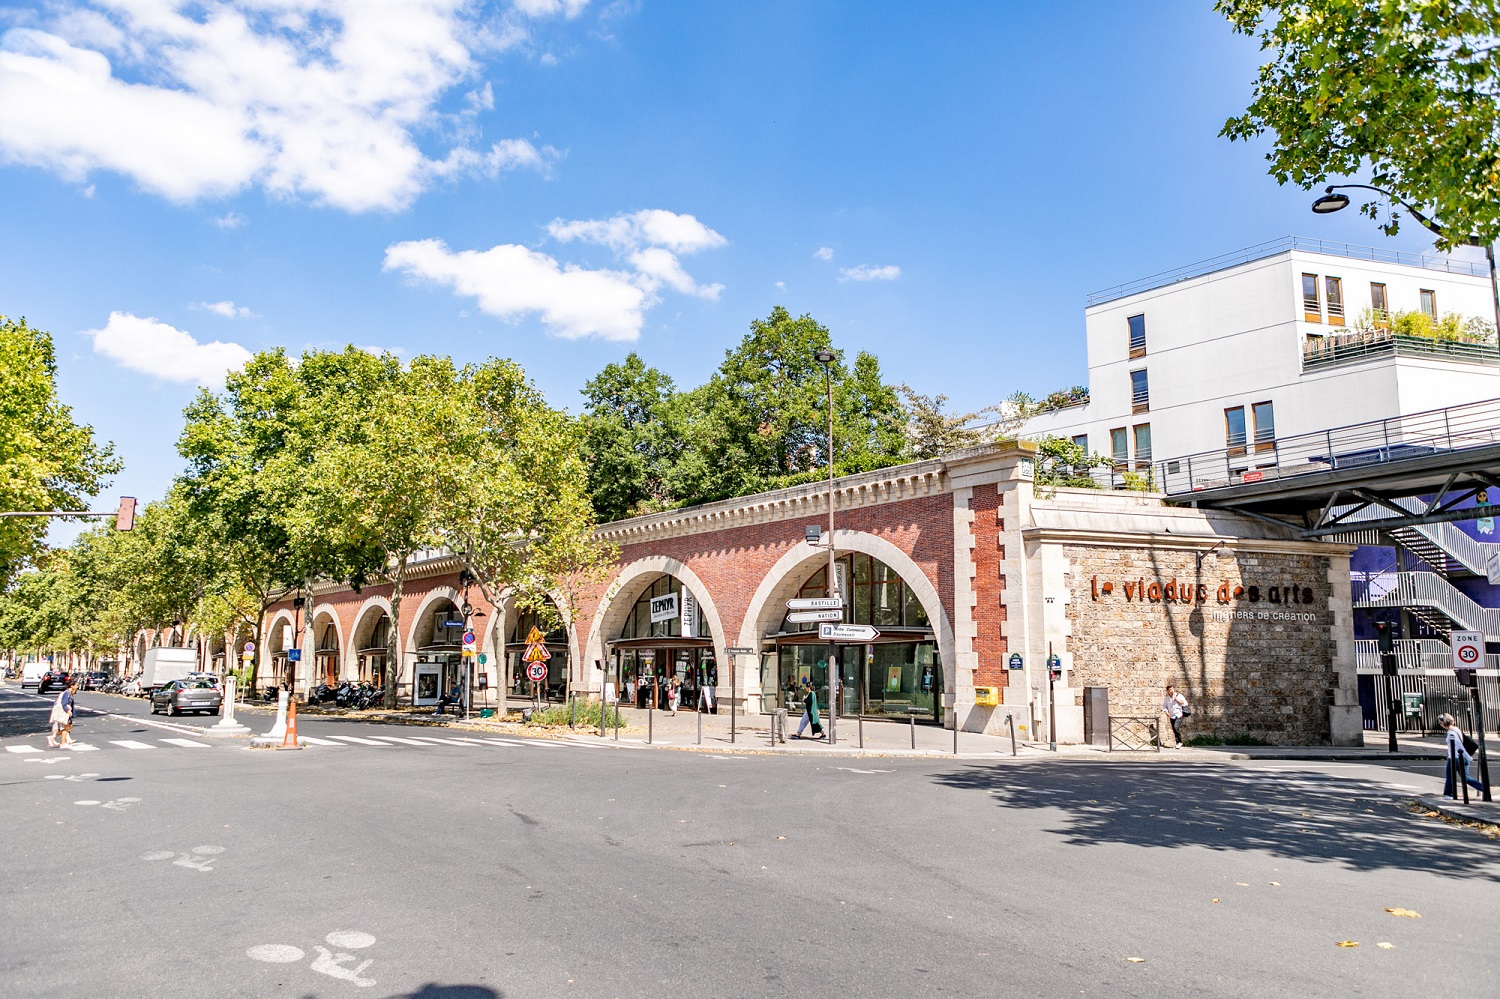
x: 435, y: 742
x: 317, y: 742
x: 22, y: 749
x: 188, y: 743
x: 358, y: 740
x: 131, y: 744
x: 79, y: 747
x: 502, y: 742
x: 393, y: 738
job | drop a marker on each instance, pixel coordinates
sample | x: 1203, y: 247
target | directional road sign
x: 847, y: 633
x: 537, y: 672
x: 815, y: 603
x: 800, y: 617
x: 739, y: 650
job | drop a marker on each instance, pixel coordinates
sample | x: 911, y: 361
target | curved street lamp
x: 1331, y: 202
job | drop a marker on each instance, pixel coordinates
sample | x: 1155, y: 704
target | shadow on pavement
x: 435, y: 991
x: 1296, y: 814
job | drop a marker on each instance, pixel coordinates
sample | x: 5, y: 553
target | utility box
x: 1096, y: 716
x: 987, y: 697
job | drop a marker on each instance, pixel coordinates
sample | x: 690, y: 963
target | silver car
x: 187, y: 695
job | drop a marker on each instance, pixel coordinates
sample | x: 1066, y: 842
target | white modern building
x: 1238, y: 350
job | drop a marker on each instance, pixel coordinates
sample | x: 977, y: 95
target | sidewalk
x: 1484, y: 812
x: 881, y: 737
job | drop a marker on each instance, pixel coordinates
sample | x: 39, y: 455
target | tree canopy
x: 1408, y: 90
x: 47, y: 460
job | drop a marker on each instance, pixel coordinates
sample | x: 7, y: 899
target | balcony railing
x: 1260, y: 251
x: 1330, y: 351
x: 1378, y: 442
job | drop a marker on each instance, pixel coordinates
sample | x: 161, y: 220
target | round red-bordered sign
x: 1468, y: 653
x: 537, y: 671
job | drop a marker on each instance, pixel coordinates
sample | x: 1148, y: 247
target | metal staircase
x: 1437, y: 603
x: 1443, y: 546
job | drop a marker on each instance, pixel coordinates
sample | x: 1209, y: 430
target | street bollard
x: 617, y: 719
x: 913, y: 716
x: 1011, y: 721
x: 955, y: 729
x: 700, y: 718
x: 650, y: 722
x: 572, y: 709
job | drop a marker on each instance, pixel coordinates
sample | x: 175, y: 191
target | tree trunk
x: 259, y: 626
x: 393, y: 664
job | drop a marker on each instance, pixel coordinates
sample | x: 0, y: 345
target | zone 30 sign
x: 1468, y: 649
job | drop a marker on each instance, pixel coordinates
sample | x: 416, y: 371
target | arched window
x: 876, y: 595
x: 670, y: 603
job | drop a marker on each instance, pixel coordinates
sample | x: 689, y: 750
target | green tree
x: 47, y: 461
x: 933, y: 432
x: 1408, y: 90
x: 631, y: 438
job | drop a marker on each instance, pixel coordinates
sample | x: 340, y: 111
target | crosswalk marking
x: 393, y: 738
x: 79, y: 747
x: 22, y: 749
x: 472, y: 742
x: 317, y: 742
x: 186, y: 743
x: 131, y: 744
x: 504, y: 742
x: 435, y: 742
x: 336, y: 741
x: 361, y: 742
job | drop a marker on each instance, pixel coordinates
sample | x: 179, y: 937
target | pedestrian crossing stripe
x: 360, y: 742
x: 317, y: 742
x: 186, y: 743
x: 22, y: 749
x: 131, y: 744
x: 398, y: 739
x: 339, y: 742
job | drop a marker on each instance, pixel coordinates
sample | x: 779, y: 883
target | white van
x: 161, y: 666
x: 31, y: 674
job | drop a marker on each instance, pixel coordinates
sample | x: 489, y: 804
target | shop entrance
x: 886, y: 679
x: 665, y: 638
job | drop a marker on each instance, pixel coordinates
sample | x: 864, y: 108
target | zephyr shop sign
x: 663, y: 608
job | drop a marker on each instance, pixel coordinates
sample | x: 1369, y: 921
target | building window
x: 1429, y: 302
x: 1334, y: 289
x: 1234, y: 429
x: 1082, y: 440
x: 1265, y: 426
x: 1119, y: 446
x: 1140, y: 392
x: 1312, y: 306
x: 1142, y: 446
x: 1137, y: 336
x: 1379, y: 310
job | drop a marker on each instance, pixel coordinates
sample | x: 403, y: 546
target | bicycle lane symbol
x: 334, y: 965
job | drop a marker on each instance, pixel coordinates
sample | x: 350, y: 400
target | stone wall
x: 1248, y: 639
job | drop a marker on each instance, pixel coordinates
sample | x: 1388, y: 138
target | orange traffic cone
x: 289, y: 741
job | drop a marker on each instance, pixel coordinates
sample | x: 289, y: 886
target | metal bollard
x: 572, y: 709
x: 617, y: 720
x: 700, y: 719
x: 1011, y: 721
x: 913, y: 716
x: 650, y: 722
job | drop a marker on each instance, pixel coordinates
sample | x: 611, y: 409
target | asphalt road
x: 472, y: 870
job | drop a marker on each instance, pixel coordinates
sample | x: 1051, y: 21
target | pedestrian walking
x: 63, y: 710
x: 1460, y: 749
x: 809, y: 712
x: 674, y: 695
x: 1175, y: 707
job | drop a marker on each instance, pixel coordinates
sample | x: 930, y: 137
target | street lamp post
x: 1331, y: 202
x: 826, y: 358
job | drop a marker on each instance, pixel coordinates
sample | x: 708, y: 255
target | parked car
x: 54, y: 679
x: 94, y: 680
x: 187, y: 695
x: 132, y: 687
x: 208, y: 677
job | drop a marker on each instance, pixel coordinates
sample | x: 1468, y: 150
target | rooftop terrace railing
x: 1427, y: 261
x: 1377, y: 442
x: 1331, y: 351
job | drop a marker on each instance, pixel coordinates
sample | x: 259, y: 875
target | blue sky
x: 564, y: 181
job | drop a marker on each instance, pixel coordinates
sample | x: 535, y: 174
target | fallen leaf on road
x: 781, y: 837
x: 1403, y: 912
x: 1275, y: 884
x: 1243, y: 884
x: 1386, y: 946
x: 1136, y: 960
x: 1216, y: 901
x: 1431, y: 815
x: 1348, y: 943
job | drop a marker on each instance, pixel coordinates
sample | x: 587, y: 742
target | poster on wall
x: 893, y: 680
x: 663, y: 608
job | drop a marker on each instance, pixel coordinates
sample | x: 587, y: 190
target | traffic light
x: 1385, y: 639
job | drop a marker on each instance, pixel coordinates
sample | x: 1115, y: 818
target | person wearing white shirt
x: 1174, y: 706
x: 1457, y: 751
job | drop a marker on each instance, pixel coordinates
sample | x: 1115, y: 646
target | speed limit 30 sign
x: 1468, y: 650
x: 537, y: 671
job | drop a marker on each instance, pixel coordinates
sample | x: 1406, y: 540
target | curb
x: 1480, y: 813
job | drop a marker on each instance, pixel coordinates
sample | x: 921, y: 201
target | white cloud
x: 165, y: 352
x: 572, y: 301
x: 228, y: 310
x: 315, y: 99
x: 652, y: 227
x: 510, y: 281
x: 823, y: 253
x: 781, y: 286
x: 230, y: 220
x: 864, y: 272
